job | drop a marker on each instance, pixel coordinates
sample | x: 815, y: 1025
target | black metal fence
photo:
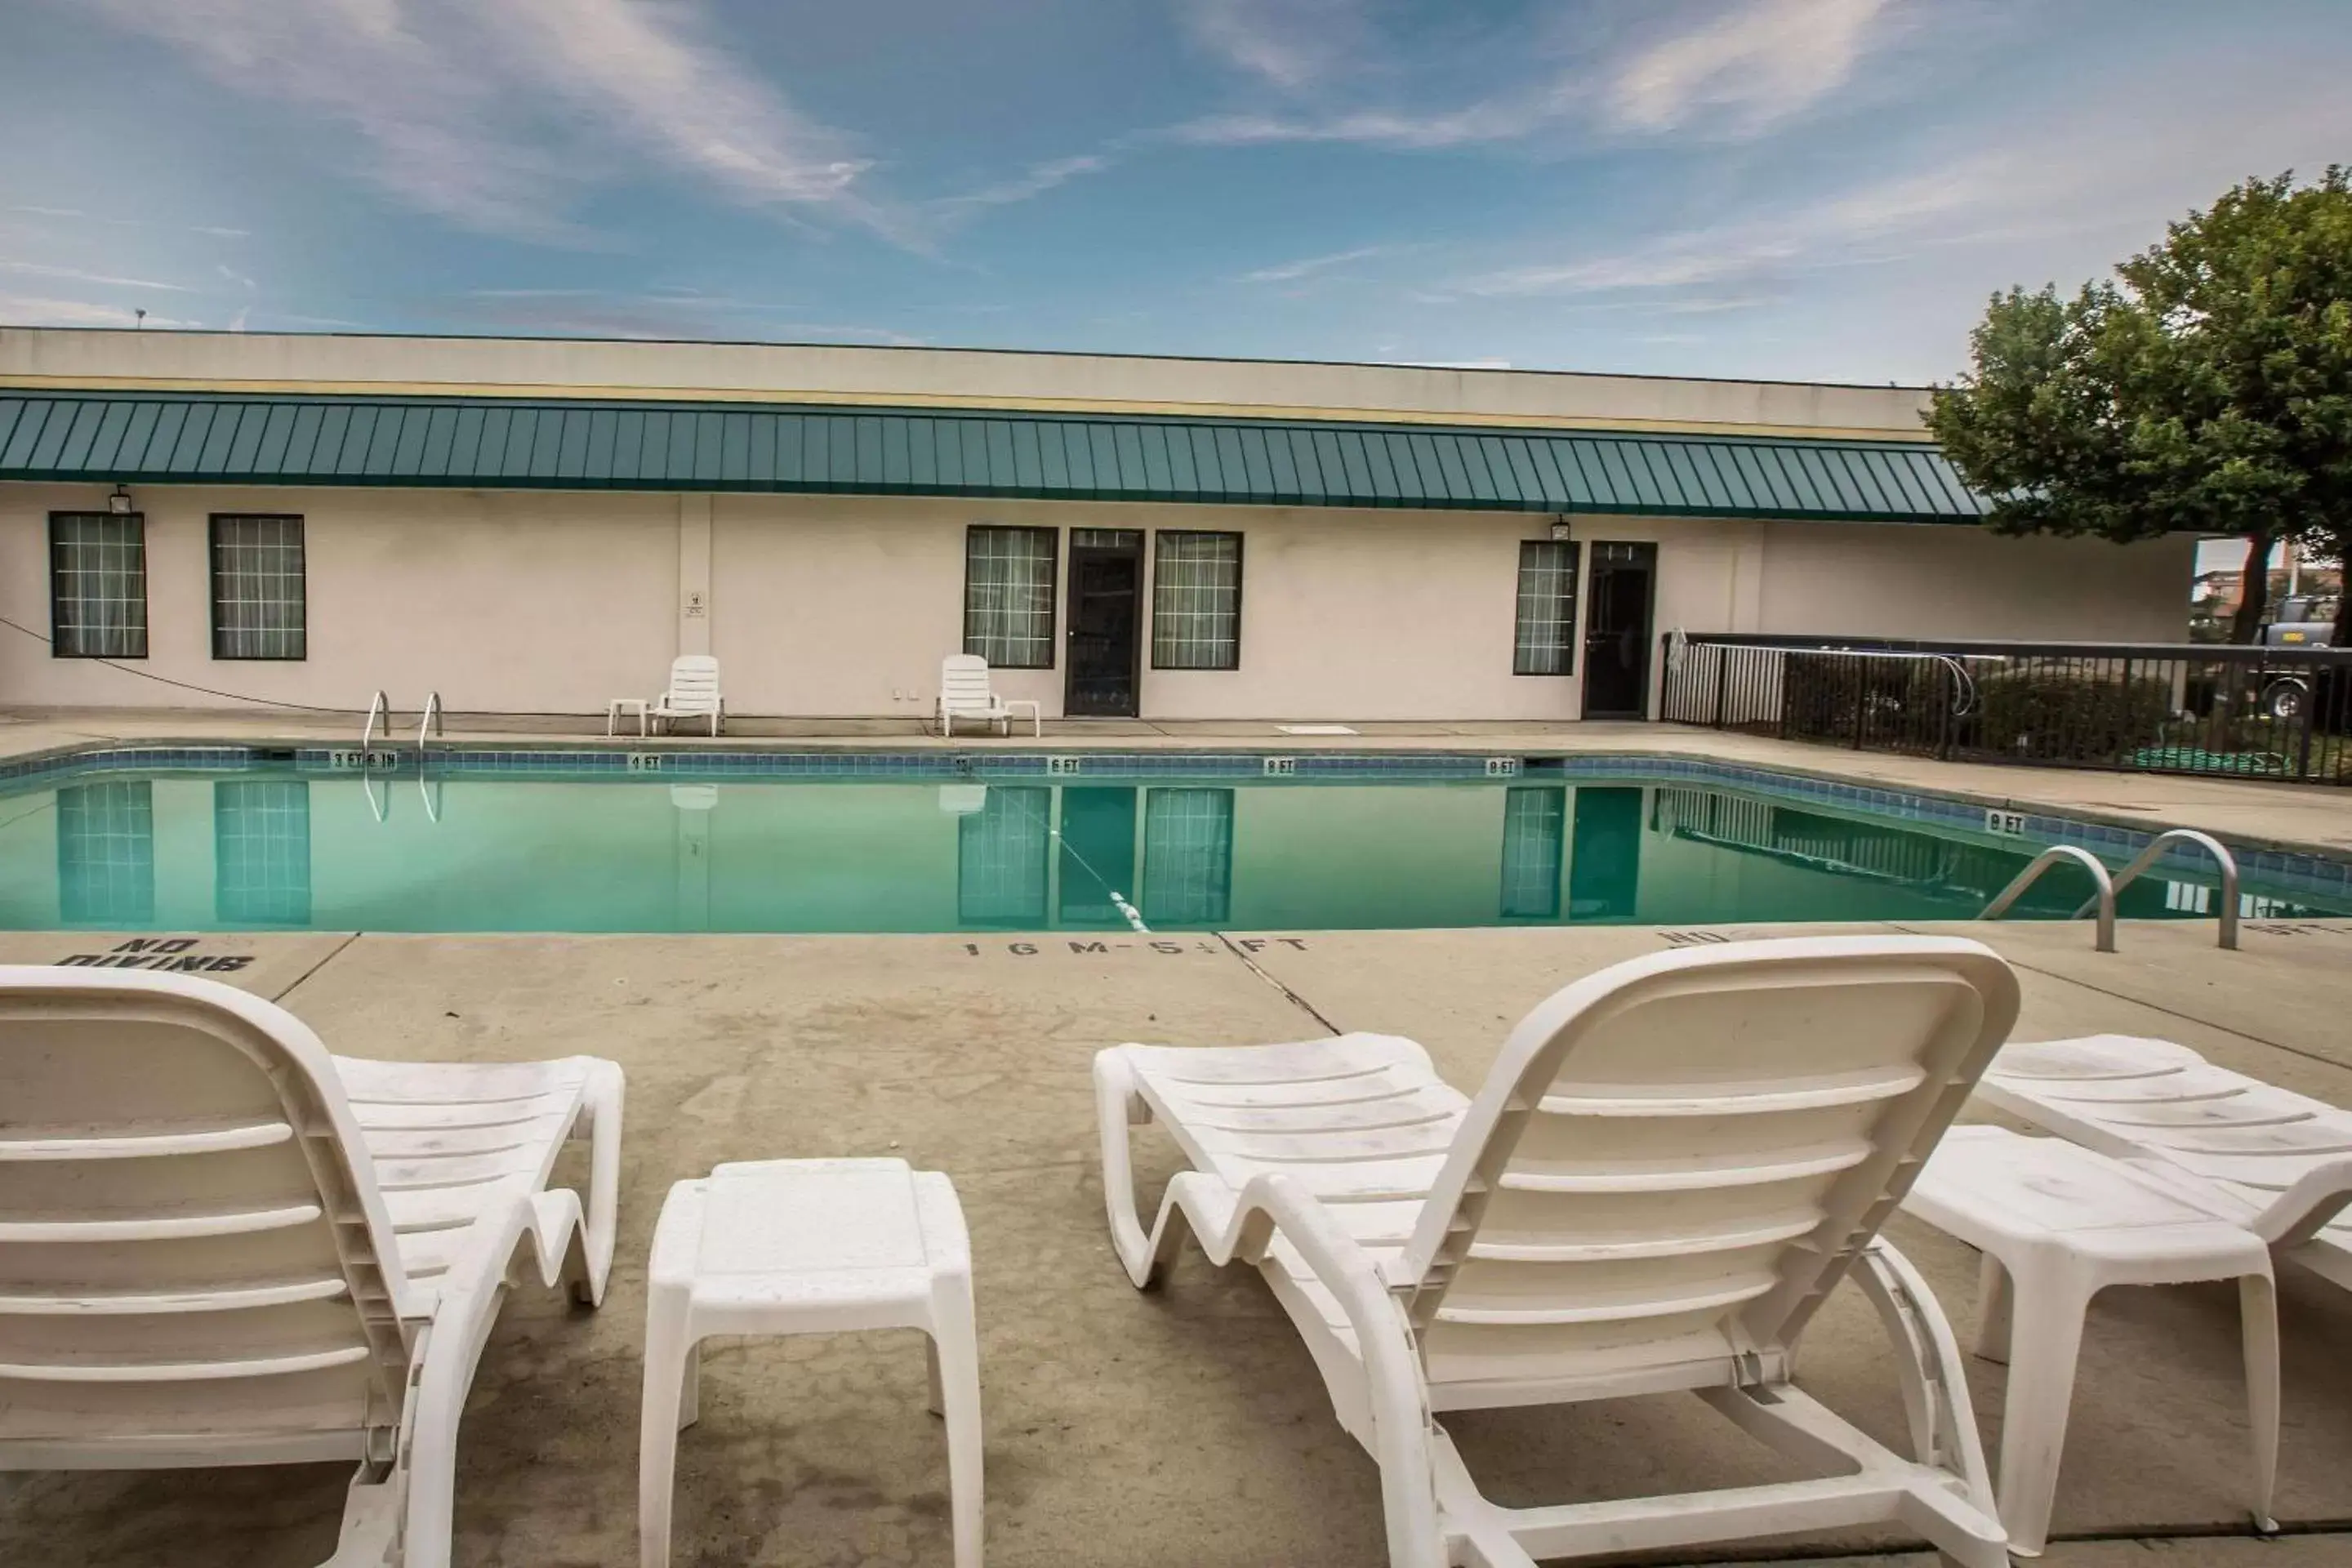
x: 2180, y: 707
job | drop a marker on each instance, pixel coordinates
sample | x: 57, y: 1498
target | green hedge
x: 2056, y: 712
x: 1898, y: 703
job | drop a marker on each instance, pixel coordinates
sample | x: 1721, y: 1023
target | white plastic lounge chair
x: 220, y: 1245
x: 2277, y: 1163
x: 693, y: 693
x: 1671, y: 1163
x: 965, y: 693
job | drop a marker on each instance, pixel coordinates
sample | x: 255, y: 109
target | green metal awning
x: 468, y: 443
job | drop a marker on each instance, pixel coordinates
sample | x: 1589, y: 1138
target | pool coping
x: 2285, y: 866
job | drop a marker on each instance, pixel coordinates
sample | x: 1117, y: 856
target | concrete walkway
x: 2317, y: 819
x: 1186, y: 1429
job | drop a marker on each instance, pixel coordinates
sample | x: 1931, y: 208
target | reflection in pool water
x: 262, y: 851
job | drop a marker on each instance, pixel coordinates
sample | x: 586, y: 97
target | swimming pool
x: 676, y: 841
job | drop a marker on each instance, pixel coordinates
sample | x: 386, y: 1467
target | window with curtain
x: 97, y: 584
x: 1545, y: 643
x: 261, y: 851
x: 1002, y: 858
x: 258, y: 600
x: 1188, y: 857
x: 106, y: 853
x: 1535, y: 830
x: 1196, y: 601
x: 1008, y: 596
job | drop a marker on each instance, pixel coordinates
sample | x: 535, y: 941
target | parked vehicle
x: 2288, y: 694
x: 2303, y: 621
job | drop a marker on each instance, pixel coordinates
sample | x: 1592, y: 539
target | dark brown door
x: 1105, y: 613
x: 1617, y: 630
x: 1097, y: 843
x: 1604, y: 868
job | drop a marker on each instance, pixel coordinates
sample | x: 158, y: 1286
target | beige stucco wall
x: 475, y: 366
x: 1929, y: 581
x: 502, y: 601
x: 523, y: 603
x: 844, y: 607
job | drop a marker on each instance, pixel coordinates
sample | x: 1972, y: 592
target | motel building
x: 534, y: 527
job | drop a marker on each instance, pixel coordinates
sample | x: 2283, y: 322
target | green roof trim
x: 562, y: 444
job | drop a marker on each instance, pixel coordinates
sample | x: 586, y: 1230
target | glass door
x: 1105, y: 613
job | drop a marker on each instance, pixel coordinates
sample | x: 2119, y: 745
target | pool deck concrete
x: 2313, y: 819
x: 1185, y: 1429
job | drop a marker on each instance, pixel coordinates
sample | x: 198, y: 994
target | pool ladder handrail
x: 2105, y: 900
x: 379, y: 707
x: 2211, y: 845
x: 429, y: 790
x: 429, y: 722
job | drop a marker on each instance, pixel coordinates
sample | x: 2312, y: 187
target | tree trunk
x: 2253, y: 596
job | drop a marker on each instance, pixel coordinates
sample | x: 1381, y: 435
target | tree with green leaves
x: 2208, y: 391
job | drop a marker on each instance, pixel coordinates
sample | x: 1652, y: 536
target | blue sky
x: 1787, y: 188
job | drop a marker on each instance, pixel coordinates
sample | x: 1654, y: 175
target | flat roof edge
x: 83, y: 359
x: 1424, y: 366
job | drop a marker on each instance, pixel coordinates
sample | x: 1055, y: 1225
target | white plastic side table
x: 2057, y: 1223
x: 808, y: 1246
x: 621, y: 705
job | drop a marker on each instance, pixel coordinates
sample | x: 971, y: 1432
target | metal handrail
x: 432, y: 718
x: 381, y: 707
x: 1964, y: 684
x: 2211, y: 845
x: 2106, y: 898
x: 2019, y: 647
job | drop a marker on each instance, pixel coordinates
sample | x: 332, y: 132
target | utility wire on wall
x: 183, y: 685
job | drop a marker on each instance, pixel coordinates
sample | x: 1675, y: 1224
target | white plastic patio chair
x: 2277, y: 1163
x: 693, y: 693
x: 220, y: 1245
x: 966, y: 693
x: 1671, y: 1163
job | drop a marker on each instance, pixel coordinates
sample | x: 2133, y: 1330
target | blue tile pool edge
x: 2282, y: 869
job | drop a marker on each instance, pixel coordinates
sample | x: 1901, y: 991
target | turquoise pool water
x: 260, y: 849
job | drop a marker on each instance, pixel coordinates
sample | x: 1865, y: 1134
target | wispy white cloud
x: 681, y: 98
x: 76, y: 275
x: 1307, y: 267
x: 77, y: 215
x: 1753, y: 66
x: 1506, y: 119
x: 30, y: 310
x: 1709, y: 267
x: 1717, y: 67
x: 1289, y: 42
x: 2094, y: 179
x: 1033, y: 181
x: 659, y: 313
x: 1712, y: 304
x: 332, y: 323
x: 494, y: 115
